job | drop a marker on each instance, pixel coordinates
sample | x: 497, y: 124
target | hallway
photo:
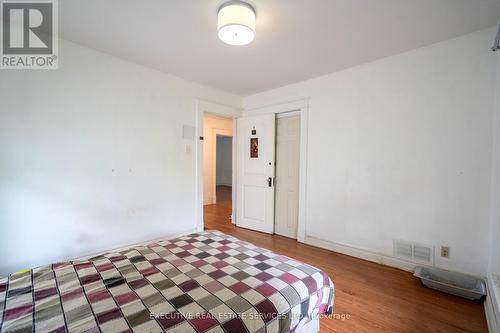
x: 218, y: 216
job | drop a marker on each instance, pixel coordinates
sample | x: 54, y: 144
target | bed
x: 203, y: 282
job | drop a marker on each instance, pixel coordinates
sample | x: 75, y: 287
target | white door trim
x: 202, y: 107
x: 302, y: 107
x: 288, y: 114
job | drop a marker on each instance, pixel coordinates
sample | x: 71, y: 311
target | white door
x: 287, y: 175
x: 255, y: 136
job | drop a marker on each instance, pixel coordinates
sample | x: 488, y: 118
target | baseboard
x: 492, y: 304
x: 352, y: 251
x: 209, y: 201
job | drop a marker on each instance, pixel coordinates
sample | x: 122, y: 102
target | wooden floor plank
x: 376, y: 298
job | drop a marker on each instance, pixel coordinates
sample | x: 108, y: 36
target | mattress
x: 203, y: 282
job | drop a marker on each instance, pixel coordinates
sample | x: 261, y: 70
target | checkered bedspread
x: 204, y: 282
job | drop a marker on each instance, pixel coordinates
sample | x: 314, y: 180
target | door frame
x: 300, y: 107
x: 202, y: 107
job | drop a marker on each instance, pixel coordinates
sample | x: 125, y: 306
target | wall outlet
x: 445, y: 252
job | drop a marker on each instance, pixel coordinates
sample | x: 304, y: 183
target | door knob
x: 270, y: 182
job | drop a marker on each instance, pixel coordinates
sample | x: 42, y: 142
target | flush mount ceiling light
x: 236, y: 23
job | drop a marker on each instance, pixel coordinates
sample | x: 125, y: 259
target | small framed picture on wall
x: 254, y: 147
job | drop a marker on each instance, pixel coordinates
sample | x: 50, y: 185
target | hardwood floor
x: 376, y: 298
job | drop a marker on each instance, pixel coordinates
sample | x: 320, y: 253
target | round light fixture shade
x: 236, y: 23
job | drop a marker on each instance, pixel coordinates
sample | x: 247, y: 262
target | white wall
x: 212, y: 125
x: 224, y: 160
x: 92, y: 157
x: 494, y: 257
x: 494, y: 263
x: 400, y: 148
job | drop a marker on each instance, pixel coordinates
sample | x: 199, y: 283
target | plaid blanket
x: 204, y: 282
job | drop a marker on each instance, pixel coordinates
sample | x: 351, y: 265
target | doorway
x: 253, y: 153
x: 223, y: 170
x: 217, y: 171
x: 261, y: 168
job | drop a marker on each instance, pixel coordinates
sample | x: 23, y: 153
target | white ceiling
x: 295, y: 39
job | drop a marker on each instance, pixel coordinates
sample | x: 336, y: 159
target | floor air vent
x: 414, y: 252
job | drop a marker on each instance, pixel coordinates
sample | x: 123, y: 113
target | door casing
x: 203, y: 107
